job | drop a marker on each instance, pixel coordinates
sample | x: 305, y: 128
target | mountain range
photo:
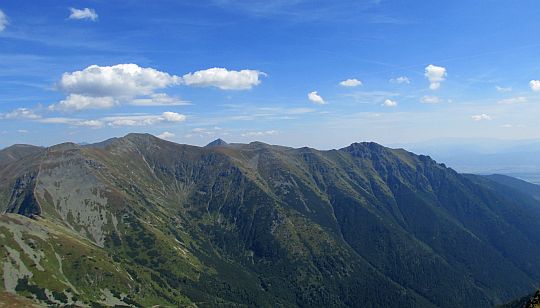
x: 516, y: 158
x: 140, y: 221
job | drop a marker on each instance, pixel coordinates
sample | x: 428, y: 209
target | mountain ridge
x: 362, y: 224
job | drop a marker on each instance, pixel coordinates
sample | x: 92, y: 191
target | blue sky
x: 299, y: 73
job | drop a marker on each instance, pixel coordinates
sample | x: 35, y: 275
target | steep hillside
x: 141, y: 221
x: 16, y: 152
x: 520, y: 185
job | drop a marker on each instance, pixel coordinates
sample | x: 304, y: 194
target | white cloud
x: 435, y: 75
x: 22, y: 131
x: 316, y: 98
x: 430, y: 99
x: 173, y: 117
x: 101, y: 87
x: 133, y: 120
x: 21, y: 113
x: 401, y: 80
x: 535, y: 85
x: 513, y: 100
x: 106, y: 86
x: 481, y: 117
x: 73, y: 121
x: 260, y: 133
x: 351, y: 83
x: 159, y: 99
x: 503, y: 89
x: 81, y: 102
x: 91, y: 123
x: 125, y: 120
x: 224, y: 79
x: 144, y: 120
x: 166, y: 135
x: 85, y: 13
x: 121, y: 80
x: 389, y: 103
x: 3, y: 21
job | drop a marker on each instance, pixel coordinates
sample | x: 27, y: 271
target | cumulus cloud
x: 400, y: 80
x: 503, y: 89
x: 166, y: 135
x: 80, y: 102
x: 259, y: 133
x: 535, y: 85
x: 85, y: 14
x: 435, y: 75
x: 481, y: 117
x: 351, y: 83
x: 159, y: 99
x: 144, y: 120
x: 314, y: 97
x: 173, y: 116
x: 513, y: 100
x: 430, y: 99
x: 3, y: 21
x: 116, y: 81
x: 224, y: 79
x: 389, y: 103
x: 21, y: 113
x: 99, y: 87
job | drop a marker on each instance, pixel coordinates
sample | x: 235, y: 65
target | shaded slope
x: 520, y: 185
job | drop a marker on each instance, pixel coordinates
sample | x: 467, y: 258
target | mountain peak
x: 64, y: 146
x: 139, y: 136
x: 141, y: 139
x: 17, y: 151
x: 217, y: 143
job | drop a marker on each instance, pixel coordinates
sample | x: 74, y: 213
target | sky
x: 322, y: 74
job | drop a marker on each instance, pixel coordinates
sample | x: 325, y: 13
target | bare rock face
x: 22, y: 200
x: 70, y: 191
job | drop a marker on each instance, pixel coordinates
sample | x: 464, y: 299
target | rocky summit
x: 139, y: 221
